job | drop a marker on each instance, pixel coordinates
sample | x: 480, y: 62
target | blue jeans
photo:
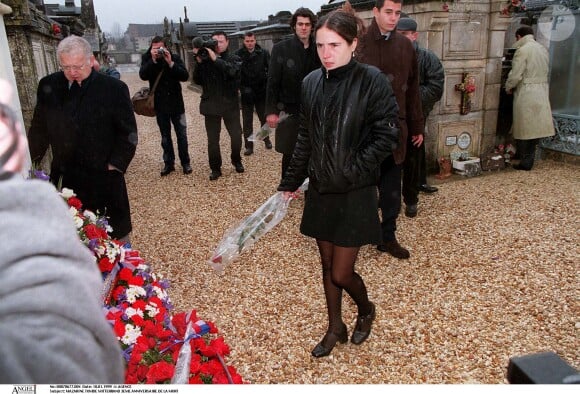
x: 179, y: 124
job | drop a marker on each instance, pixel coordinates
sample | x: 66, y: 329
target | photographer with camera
x: 168, y: 101
x: 218, y: 73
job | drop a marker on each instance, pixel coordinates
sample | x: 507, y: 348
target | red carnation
x: 136, y: 281
x: 160, y: 372
x: 125, y: 274
x: 119, y: 328
x: 95, y: 232
x: 105, y: 264
x: 75, y: 202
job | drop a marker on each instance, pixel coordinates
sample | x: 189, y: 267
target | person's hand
x: 288, y: 195
x: 272, y: 120
x: 111, y: 167
x: 167, y: 57
x: 417, y: 140
x: 212, y: 54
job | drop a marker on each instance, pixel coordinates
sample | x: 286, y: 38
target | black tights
x: 337, y: 274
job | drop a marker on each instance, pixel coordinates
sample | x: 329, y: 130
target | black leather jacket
x: 348, y: 126
x: 220, y: 81
x: 254, y: 73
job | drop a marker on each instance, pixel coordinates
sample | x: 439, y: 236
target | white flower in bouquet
x: 67, y: 193
x: 78, y: 221
x: 134, y: 292
x: 131, y: 334
x: 152, y: 309
x: 130, y: 312
x: 90, y: 215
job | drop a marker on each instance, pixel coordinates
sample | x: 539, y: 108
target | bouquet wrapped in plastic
x: 265, y: 130
x: 245, y: 234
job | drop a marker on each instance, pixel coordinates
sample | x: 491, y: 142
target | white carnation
x: 131, y: 334
x: 67, y: 193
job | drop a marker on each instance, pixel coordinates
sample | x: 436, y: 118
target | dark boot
x: 249, y: 148
x: 268, y: 143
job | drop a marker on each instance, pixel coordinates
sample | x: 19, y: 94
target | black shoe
x: 248, y: 151
x: 239, y: 168
x: 268, y: 143
x: 425, y: 188
x: 215, y: 174
x: 187, y: 169
x: 411, y: 210
x: 394, y: 249
x: 521, y: 168
x: 167, y: 170
x: 325, y: 346
x: 362, y: 330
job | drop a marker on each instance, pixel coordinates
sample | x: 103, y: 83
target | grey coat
x: 52, y: 325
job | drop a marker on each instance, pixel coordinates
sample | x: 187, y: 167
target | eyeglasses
x: 73, y: 68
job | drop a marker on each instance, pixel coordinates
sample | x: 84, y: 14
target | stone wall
x: 468, y: 38
x: 32, y: 44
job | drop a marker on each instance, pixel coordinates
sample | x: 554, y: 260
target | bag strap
x: 156, y: 82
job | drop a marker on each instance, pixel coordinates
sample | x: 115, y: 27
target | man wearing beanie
x: 431, y: 82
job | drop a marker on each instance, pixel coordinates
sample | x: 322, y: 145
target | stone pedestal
x: 469, y: 38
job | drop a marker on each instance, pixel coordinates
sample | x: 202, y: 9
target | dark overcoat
x: 396, y: 57
x: 87, y: 132
x: 254, y: 74
x: 168, y: 96
x: 220, y: 81
x: 289, y: 64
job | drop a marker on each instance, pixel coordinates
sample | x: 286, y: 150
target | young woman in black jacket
x: 348, y: 126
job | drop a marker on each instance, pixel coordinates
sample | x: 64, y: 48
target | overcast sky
x: 153, y: 11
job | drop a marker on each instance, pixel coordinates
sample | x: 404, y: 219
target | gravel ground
x: 493, y: 271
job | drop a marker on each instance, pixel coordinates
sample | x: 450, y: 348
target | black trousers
x: 390, y: 197
x: 414, y: 160
x: 527, y: 152
x: 213, y: 126
x: 248, y: 117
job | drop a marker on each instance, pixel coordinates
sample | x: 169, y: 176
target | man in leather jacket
x: 218, y: 73
x: 291, y: 60
x: 255, y: 62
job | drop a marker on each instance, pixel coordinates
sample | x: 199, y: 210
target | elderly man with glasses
x: 87, y: 119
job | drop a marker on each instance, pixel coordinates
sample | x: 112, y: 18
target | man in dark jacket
x: 87, y: 118
x: 255, y: 62
x: 218, y: 73
x: 395, y: 56
x: 292, y: 59
x: 431, y: 82
x: 168, y: 100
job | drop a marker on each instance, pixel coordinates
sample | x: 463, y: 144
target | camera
x: 201, y: 46
x: 161, y: 51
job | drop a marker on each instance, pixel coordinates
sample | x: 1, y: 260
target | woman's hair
x: 74, y: 44
x: 344, y: 22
